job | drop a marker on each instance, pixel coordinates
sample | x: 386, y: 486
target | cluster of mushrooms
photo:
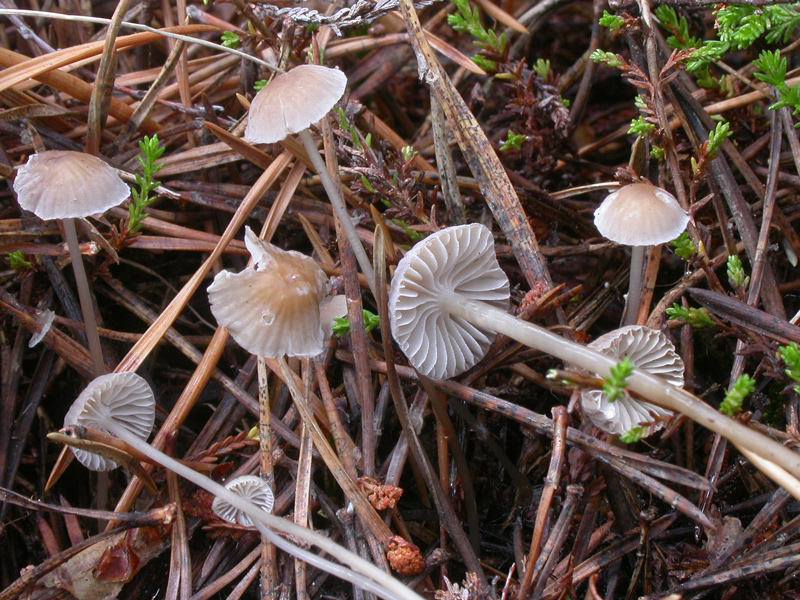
x: 448, y: 299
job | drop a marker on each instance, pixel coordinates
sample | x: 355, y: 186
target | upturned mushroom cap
x: 124, y: 398
x: 293, y: 101
x: 640, y: 214
x: 251, y: 488
x: 62, y: 184
x: 460, y: 260
x: 649, y: 350
x: 273, y: 308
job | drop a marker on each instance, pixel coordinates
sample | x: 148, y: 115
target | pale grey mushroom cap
x: 272, y: 308
x: 125, y: 398
x: 640, y: 214
x: 292, y: 102
x: 459, y: 259
x: 649, y: 350
x: 63, y: 184
x: 251, y: 488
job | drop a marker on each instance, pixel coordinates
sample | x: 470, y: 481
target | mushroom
x: 291, y: 103
x: 639, y: 215
x: 273, y: 307
x: 647, y: 349
x: 455, y: 260
x: 256, y: 491
x: 63, y: 184
x: 108, y: 402
x: 427, y: 303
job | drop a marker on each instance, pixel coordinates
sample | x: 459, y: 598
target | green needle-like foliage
x: 141, y: 198
x: 790, y: 355
x: 341, y: 325
x: 736, y: 395
x: 696, y: 317
x: 617, y: 381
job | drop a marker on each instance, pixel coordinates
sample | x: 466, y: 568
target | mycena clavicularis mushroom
x: 291, y: 103
x: 68, y: 185
x: 647, y: 349
x: 443, y: 330
x: 123, y: 405
x: 639, y: 215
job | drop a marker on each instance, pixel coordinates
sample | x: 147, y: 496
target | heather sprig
x: 735, y: 396
x: 696, y: 317
x: 141, y: 198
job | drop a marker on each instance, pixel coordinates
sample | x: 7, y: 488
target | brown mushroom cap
x: 640, y: 214
x: 647, y: 349
x: 124, y: 398
x: 273, y: 308
x: 458, y: 259
x: 292, y: 102
x: 62, y: 184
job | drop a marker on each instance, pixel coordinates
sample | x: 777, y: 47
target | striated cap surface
x: 458, y: 259
x: 647, y: 349
x: 124, y: 398
x: 293, y: 101
x: 62, y: 184
x: 640, y: 214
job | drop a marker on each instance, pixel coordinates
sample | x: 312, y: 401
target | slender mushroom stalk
x: 431, y: 298
x: 256, y: 490
x: 62, y: 184
x: 639, y: 215
x: 123, y: 403
x: 292, y: 102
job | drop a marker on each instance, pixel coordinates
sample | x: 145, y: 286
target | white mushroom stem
x: 652, y: 388
x: 85, y: 297
x: 339, y: 207
x: 634, y: 285
x: 385, y: 585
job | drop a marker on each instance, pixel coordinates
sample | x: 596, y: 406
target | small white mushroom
x: 251, y: 488
x: 291, y: 103
x: 98, y: 406
x: 456, y: 260
x: 647, y: 349
x: 639, y: 215
x: 111, y: 403
x: 273, y: 307
x: 63, y: 184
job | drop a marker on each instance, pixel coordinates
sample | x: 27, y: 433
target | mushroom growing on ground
x: 273, y: 307
x: 647, y: 349
x: 427, y: 303
x: 639, y: 215
x: 255, y: 490
x: 63, y: 184
x: 104, y: 401
x: 291, y: 103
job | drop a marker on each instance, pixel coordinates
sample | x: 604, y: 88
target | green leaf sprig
x: 634, y: 434
x: 734, y: 397
x: 141, y: 198
x: 790, y: 355
x: 696, y: 317
x: 341, y: 325
x: 683, y: 246
x: 617, y: 380
x: 736, y: 274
